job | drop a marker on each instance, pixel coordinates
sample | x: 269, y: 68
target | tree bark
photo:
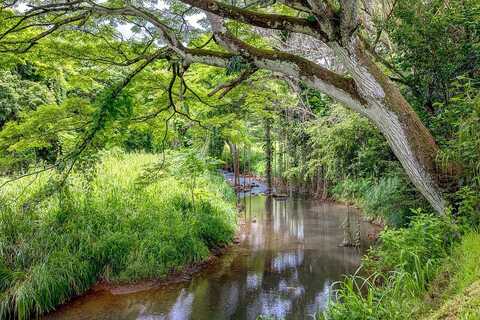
x: 410, y: 140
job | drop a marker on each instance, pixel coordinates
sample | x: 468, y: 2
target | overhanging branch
x: 337, y: 86
x: 258, y: 19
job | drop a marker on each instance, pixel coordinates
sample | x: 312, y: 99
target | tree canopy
x: 349, y: 50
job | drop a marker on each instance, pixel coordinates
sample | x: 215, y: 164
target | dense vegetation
x: 113, y: 228
x: 114, y: 119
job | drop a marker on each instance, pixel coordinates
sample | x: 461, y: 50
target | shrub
x: 391, y: 199
x: 424, y: 241
x: 468, y: 213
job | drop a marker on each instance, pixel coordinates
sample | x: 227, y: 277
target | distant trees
x: 22, y: 90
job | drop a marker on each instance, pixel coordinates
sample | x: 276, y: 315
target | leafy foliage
x: 18, y: 94
x: 74, y: 98
x: 439, y: 42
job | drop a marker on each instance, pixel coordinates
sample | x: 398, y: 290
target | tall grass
x: 466, y: 262
x: 107, y: 229
x: 456, y: 291
x: 389, y: 197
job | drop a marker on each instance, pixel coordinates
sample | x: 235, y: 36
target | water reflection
x: 287, y: 260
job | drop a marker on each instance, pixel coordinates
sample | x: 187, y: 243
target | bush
x: 351, y: 189
x: 390, y: 198
x: 424, y: 242
x: 468, y: 214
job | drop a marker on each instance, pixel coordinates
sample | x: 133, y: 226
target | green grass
x: 416, y: 273
x: 110, y: 229
x: 456, y: 292
x: 389, y: 197
x: 466, y: 260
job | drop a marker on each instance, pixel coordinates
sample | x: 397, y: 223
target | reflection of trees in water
x: 285, y: 268
x: 298, y: 281
x: 289, y: 271
x: 182, y: 308
x: 351, y: 230
x: 287, y: 260
x: 268, y: 205
x: 288, y: 223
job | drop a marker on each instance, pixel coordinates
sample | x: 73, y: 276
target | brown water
x: 284, y: 266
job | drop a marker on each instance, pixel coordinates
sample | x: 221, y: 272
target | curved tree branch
x: 228, y: 86
x: 337, y: 86
x: 268, y: 21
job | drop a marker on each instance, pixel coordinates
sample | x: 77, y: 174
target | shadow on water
x: 284, y: 266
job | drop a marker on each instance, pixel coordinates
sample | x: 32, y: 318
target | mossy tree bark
x: 384, y: 105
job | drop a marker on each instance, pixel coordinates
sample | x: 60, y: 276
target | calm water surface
x: 284, y: 266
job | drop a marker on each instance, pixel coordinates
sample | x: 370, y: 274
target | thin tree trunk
x: 236, y: 164
x: 268, y: 154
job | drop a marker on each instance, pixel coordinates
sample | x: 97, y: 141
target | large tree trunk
x: 368, y: 91
x: 385, y: 106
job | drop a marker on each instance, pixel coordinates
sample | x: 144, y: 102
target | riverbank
x: 111, y: 229
x: 174, y: 276
x: 455, y: 291
x: 423, y: 272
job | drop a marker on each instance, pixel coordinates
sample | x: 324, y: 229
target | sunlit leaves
x: 17, y: 94
x: 50, y: 127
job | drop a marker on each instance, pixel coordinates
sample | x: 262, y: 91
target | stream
x: 284, y: 265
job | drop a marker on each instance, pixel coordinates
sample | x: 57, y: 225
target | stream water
x: 284, y: 266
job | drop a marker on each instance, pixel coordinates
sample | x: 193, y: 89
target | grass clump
x: 455, y: 294
x: 108, y: 229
